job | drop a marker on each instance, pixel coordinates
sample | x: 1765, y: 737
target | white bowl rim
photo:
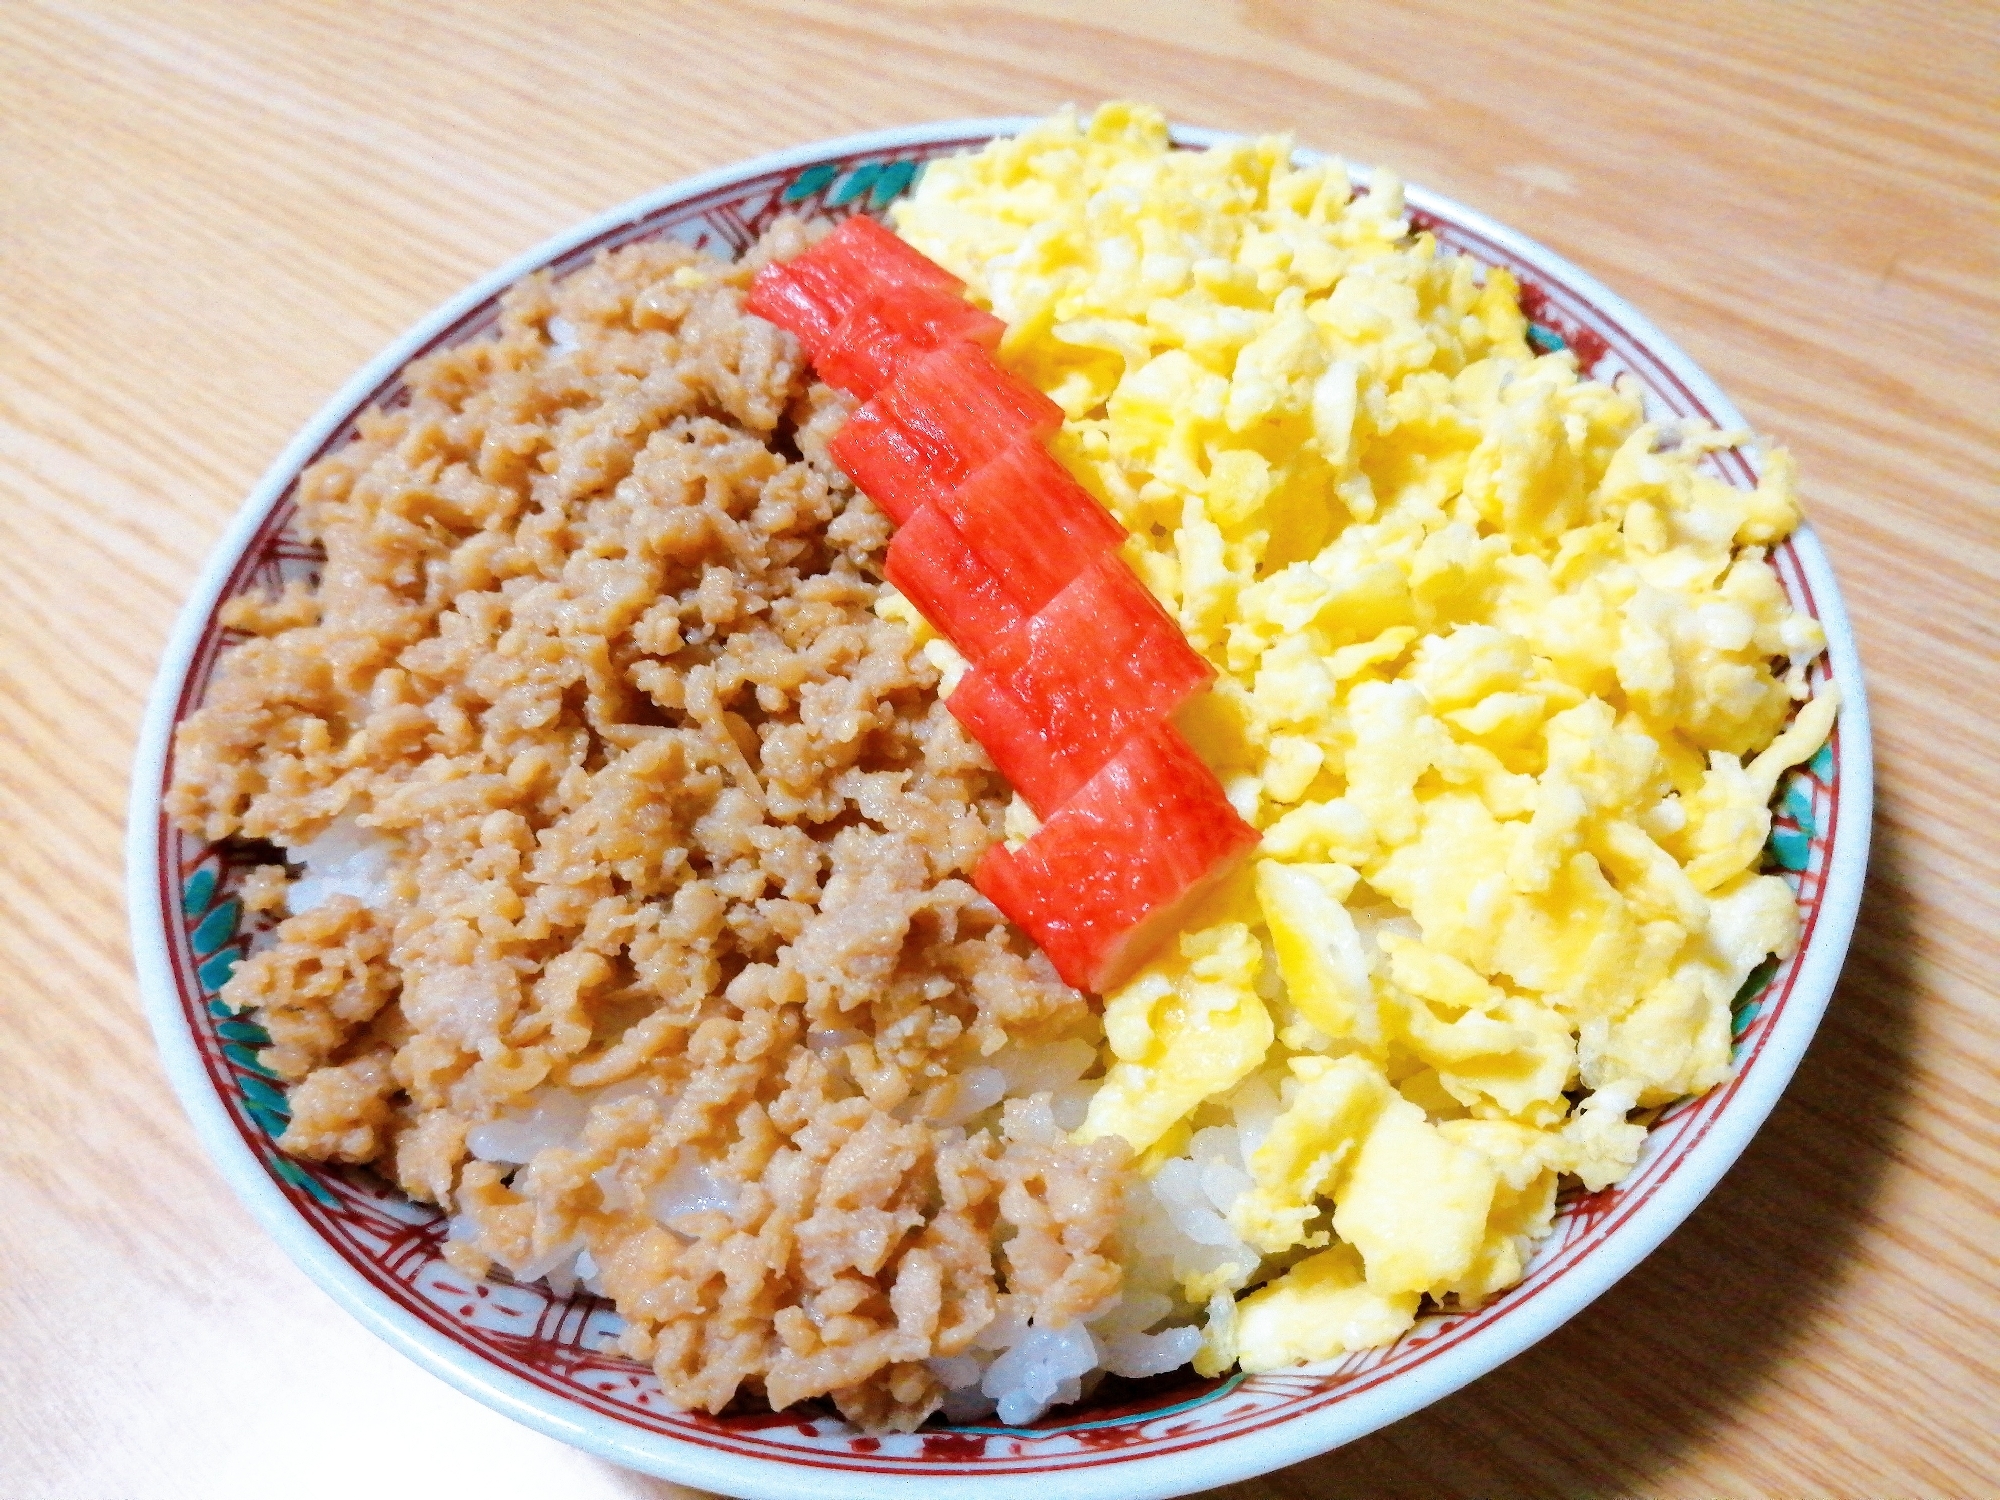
x: 1228, y: 1459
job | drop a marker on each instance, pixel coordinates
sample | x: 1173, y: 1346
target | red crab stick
x: 995, y: 550
x: 1025, y: 516
x: 810, y: 294
x: 1118, y: 866
x: 892, y: 326
x: 1058, y: 695
x: 787, y: 296
x: 944, y: 416
x: 930, y: 565
x: 862, y: 253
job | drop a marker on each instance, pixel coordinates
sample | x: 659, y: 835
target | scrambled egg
x: 1188, y: 1027
x: 1496, y: 683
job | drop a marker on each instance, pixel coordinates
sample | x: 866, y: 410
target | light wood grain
x: 211, y: 214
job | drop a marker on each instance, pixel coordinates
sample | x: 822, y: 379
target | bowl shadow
x: 1617, y: 1397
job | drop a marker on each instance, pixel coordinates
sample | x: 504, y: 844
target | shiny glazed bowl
x: 536, y: 1357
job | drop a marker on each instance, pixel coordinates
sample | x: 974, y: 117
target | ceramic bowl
x: 537, y: 1357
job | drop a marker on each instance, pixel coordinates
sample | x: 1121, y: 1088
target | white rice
x: 346, y: 859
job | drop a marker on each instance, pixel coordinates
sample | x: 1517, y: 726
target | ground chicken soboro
x: 675, y: 825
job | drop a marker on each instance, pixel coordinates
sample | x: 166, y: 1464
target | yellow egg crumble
x: 1496, y: 683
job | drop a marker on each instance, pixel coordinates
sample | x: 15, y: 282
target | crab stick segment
x: 943, y: 417
x: 892, y: 326
x: 930, y: 565
x: 1116, y: 869
x: 1024, y: 515
x: 811, y: 294
x: 1056, y: 696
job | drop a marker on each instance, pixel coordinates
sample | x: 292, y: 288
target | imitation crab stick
x: 1118, y: 866
x: 811, y: 294
x: 1057, y: 695
x: 951, y: 586
x: 863, y: 253
x: 1025, y: 517
x: 892, y: 326
x: 992, y: 552
x: 943, y: 417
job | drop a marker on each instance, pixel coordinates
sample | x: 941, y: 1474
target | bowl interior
x: 541, y: 1357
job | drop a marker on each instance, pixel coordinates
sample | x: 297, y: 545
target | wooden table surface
x: 212, y: 213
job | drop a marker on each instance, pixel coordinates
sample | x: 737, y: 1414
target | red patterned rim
x: 380, y: 1256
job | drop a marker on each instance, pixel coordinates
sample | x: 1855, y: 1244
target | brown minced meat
x: 670, y: 807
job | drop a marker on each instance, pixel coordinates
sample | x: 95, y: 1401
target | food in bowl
x: 1480, y: 636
